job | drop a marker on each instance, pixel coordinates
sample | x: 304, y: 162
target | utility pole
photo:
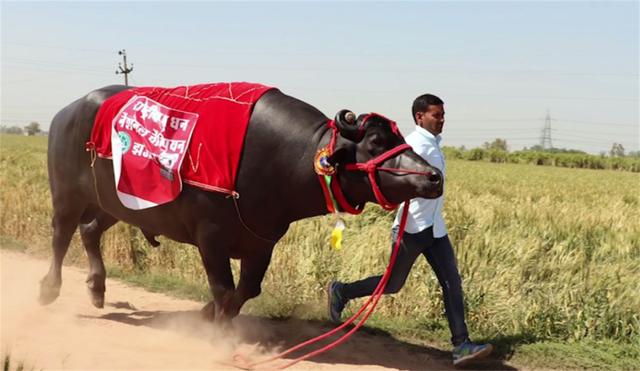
x: 545, y: 138
x: 126, y: 70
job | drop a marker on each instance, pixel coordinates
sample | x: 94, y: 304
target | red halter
x: 372, y: 166
x: 326, y: 172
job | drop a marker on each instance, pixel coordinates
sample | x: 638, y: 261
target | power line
x: 359, y: 53
x: 600, y: 123
x: 60, y: 47
x: 54, y: 67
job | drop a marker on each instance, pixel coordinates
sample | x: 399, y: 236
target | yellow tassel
x: 336, y: 235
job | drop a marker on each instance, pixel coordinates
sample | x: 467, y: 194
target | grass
x: 159, y: 282
x: 550, y: 259
x: 599, y: 355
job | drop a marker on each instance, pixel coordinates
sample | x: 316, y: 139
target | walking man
x: 425, y: 234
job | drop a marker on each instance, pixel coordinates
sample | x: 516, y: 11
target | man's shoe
x: 468, y: 351
x: 335, y: 301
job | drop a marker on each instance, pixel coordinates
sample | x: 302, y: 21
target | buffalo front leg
x: 217, y: 265
x: 91, y: 233
x: 252, y: 270
x: 64, y: 223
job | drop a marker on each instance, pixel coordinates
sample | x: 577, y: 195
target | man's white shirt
x: 423, y: 212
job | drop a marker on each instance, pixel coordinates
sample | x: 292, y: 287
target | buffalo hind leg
x: 91, y: 233
x: 64, y: 223
x: 252, y: 270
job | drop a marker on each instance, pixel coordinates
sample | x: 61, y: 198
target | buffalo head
x: 375, y: 163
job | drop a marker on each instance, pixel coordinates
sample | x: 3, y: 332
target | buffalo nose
x: 434, y: 177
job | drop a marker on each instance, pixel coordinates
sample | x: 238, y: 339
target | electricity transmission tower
x: 545, y: 138
x: 126, y: 70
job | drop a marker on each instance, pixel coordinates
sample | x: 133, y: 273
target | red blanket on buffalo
x: 166, y: 136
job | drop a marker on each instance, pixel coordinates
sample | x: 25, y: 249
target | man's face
x: 432, y: 119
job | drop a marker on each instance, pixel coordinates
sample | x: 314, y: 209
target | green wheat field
x: 550, y: 258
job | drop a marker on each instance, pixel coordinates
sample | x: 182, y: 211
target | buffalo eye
x: 376, y: 143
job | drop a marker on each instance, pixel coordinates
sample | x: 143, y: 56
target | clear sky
x: 499, y: 66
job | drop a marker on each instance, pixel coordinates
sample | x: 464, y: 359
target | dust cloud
x: 141, y: 330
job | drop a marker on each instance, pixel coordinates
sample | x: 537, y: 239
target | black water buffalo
x: 276, y: 181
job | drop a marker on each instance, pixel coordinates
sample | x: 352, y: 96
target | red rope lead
x: 373, y: 300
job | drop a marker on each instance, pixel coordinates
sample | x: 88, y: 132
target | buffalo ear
x: 346, y: 122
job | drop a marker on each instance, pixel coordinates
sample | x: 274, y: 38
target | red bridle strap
x: 371, y: 166
x: 342, y: 201
x: 333, y: 196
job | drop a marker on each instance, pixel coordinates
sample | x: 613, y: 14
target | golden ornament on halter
x: 321, y: 164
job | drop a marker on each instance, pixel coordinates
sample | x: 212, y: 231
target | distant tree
x: 499, y: 144
x: 537, y: 148
x: 634, y: 154
x: 11, y: 130
x: 565, y: 150
x: 617, y: 150
x: 33, y: 128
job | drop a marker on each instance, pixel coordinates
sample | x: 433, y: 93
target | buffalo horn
x: 345, y: 121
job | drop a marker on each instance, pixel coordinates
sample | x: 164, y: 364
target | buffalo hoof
x: 96, y: 290
x: 208, y: 312
x: 49, y: 291
x: 97, y: 298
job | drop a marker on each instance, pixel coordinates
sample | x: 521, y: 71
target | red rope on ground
x: 373, y: 300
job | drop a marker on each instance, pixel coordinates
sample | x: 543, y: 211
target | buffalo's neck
x: 304, y: 195
x: 276, y: 178
x: 305, y: 198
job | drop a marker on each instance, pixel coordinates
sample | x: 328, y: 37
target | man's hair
x: 422, y: 103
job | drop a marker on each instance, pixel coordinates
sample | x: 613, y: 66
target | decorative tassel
x: 336, y: 235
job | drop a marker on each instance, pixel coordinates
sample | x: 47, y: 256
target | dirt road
x: 142, y: 330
